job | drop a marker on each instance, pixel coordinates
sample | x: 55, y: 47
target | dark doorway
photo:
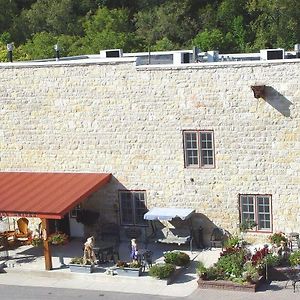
x: 62, y: 225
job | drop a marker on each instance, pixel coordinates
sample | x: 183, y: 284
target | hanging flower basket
x: 58, y: 238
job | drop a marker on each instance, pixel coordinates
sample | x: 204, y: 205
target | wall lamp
x: 258, y: 91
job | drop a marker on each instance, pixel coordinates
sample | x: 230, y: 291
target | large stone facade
x: 129, y: 121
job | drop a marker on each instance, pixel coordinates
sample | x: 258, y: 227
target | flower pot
x: 81, y: 268
x: 131, y: 272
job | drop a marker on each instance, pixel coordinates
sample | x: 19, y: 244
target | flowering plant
x: 277, y: 237
x: 36, y: 241
x: 58, y: 238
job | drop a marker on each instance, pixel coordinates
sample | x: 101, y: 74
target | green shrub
x: 247, y: 224
x: 250, y: 273
x: 177, y: 258
x: 214, y: 273
x: 277, y: 237
x: 201, y: 270
x: 294, y: 258
x: 162, y: 271
x: 272, y: 260
x: 79, y: 261
x: 232, y: 242
x: 231, y: 262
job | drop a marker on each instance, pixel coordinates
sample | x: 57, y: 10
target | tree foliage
x: 87, y: 26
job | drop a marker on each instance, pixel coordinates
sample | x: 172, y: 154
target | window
x: 256, y: 208
x: 199, y: 149
x: 75, y: 210
x: 133, y: 207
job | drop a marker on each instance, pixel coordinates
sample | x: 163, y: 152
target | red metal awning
x: 46, y: 195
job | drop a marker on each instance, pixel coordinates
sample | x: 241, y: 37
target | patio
x: 25, y: 266
x: 27, y: 257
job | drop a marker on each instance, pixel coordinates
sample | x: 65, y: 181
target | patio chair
x: 23, y: 234
x: 218, y: 237
x: 110, y: 233
x: 293, y: 275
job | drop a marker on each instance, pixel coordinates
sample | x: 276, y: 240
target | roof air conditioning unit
x: 111, y: 53
x: 212, y: 56
x: 181, y: 58
x: 269, y: 54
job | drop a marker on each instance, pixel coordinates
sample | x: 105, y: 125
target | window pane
x: 191, y: 148
x: 247, y: 208
x: 264, y: 216
x: 126, y: 208
x: 207, y: 151
x: 140, y: 208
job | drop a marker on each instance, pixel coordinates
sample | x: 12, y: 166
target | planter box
x: 81, y: 268
x: 228, y: 285
x: 131, y: 272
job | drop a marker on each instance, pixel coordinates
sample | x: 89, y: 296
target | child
x: 134, y: 250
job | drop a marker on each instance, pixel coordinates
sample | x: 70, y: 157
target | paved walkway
x: 26, y: 268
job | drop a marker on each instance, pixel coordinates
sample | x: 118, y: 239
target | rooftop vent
x: 111, y: 53
x: 297, y: 50
x: 181, y: 58
x: 269, y: 54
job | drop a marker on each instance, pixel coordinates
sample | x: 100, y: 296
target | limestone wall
x: 128, y: 120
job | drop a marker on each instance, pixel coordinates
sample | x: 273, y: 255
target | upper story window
x: 132, y: 207
x: 199, y: 148
x: 256, y: 208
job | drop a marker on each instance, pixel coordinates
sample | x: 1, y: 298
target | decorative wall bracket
x: 258, y: 90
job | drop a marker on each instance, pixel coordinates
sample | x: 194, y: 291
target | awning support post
x: 47, y: 249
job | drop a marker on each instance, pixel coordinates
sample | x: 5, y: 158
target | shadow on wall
x: 278, y: 101
x: 208, y: 226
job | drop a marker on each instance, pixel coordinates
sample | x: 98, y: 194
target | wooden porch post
x: 47, y: 249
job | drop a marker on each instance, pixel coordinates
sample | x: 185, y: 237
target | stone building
x: 190, y: 135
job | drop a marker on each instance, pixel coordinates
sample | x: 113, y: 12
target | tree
x: 57, y: 17
x: 164, y: 45
x: 8, y: 10
x: 210, y: 40
x: 41, y: 46
x: 107, y: 29
x: 275, y: 23
x: 171, y: 20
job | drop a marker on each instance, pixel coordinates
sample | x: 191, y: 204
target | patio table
x: 103, y: 250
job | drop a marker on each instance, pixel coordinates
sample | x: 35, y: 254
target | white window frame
x: 199, y: 149
x: 256, y: 214
x: 75, y: 210
x: 133, y: 198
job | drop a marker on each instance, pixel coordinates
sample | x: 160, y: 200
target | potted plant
x: 58, y: 238
x: 294, y: 258
x: 132, y: 269
x: 77, y: 264
x: 277, y: 237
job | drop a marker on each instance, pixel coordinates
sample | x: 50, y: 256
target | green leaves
x: 87, y: 26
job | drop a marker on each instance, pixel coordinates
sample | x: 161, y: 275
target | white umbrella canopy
x: 168, y: 213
